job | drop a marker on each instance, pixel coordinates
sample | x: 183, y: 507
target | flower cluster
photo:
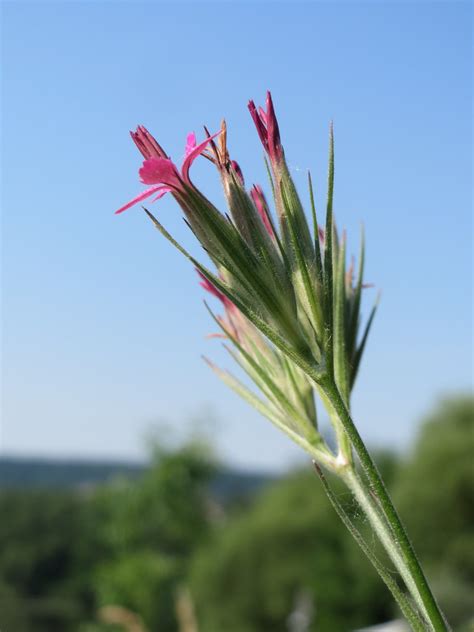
x: 291, y: 308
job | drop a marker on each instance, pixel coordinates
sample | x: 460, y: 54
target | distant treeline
x: 31, y: 473
x: 38, y: 472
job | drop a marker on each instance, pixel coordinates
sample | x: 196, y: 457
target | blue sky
x: 103, y: 323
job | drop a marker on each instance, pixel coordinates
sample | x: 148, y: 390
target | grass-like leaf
x: 361, y: 347
x: 339, y: 342
x: 302, y: 268
x: 328, y: 256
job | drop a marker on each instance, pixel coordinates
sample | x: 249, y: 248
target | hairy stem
x: 384, y: 534
x: 402, y: 600
x: 412, y: 568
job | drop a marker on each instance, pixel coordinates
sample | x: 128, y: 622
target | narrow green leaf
x: 274, y: 391
x: 252, y: 228
x: 246, y: 394
x: 300, y: 259
x: 269, y: 174
x: 274, y: 394
x: 356, y: 300
x: 315, y: 448
x: 328, y: 261
x: 339, y: 342
x: 303, y: 391
x: 294, y: 347
x: 360, y: 350
x: 250, y: 272
x: 317, y: 245
x: 294, y: 209
x: 223, y: 238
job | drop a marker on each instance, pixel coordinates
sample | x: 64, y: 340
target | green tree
x: 150, y: 528
x: 46, y: 548
x: 435, y: 494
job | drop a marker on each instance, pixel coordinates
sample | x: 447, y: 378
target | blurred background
x: 136, y: 492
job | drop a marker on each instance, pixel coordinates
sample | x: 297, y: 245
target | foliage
x: 151, y: 528
x: 43, y: 583
x: 443, y: 498
x: 64, y: 555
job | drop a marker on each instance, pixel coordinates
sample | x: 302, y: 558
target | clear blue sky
x: 103, y: 321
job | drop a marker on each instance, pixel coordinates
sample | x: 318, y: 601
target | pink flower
x: 161, y: 172
x: 260, y: 202
x: 267, y: 128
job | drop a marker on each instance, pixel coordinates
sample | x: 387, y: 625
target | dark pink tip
x: 238, y: 171
x: 259, y: 124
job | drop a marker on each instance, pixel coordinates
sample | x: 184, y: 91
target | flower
x: 161, y: 172
x: 267, y: 128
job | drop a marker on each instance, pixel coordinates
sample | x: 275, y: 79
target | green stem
x: 384, y: 533
x: 423, y: 595
x: 405, y: 606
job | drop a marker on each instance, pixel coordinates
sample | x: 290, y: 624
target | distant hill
x: 38, y: 472
x: 31, y: 473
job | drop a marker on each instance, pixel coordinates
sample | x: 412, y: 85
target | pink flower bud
x: 267, y: 128
x: 238, y: 171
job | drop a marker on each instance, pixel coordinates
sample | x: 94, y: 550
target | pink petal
x: 259, y: 124
x: 273, y: 132
x: 147, y: 145
x: 193, y: 154
x: 263, y: 115
x: 142, y: 196
x: 161, y: 193
x: 190, y: 144
x: 160, y: 171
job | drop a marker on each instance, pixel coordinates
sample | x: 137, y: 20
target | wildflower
x: 160, y: 171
